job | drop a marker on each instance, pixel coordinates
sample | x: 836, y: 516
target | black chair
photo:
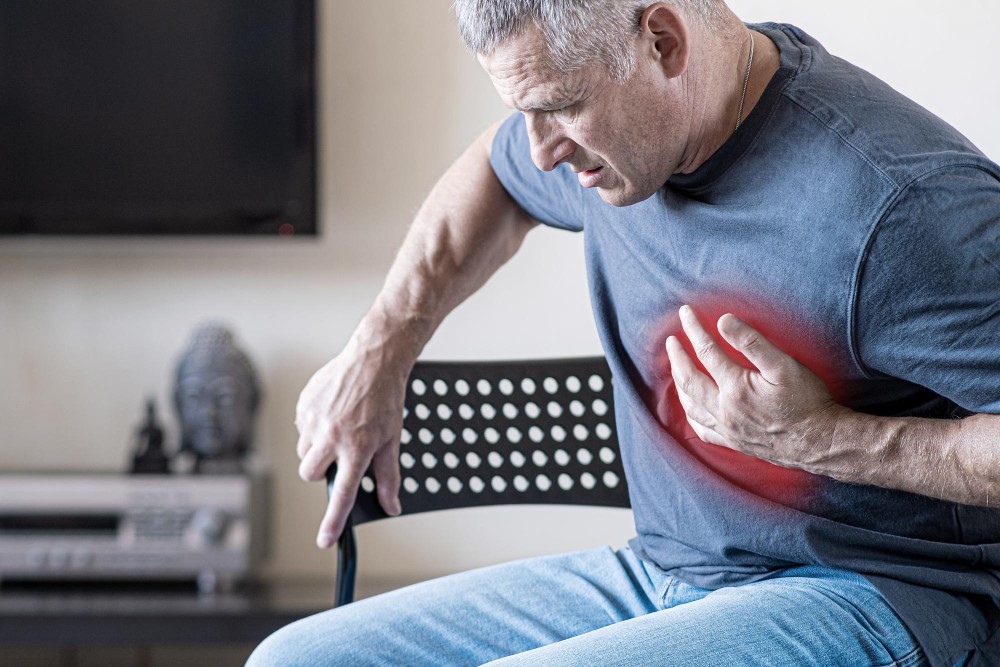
x: 498, y: 433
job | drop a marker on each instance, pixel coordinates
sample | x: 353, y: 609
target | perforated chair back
x: 498, y: 433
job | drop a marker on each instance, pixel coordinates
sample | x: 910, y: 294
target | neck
x: 716, y: 88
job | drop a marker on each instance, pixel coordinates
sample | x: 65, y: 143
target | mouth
x: 590, y: 177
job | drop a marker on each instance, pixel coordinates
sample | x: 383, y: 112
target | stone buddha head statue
x: 216, y: 396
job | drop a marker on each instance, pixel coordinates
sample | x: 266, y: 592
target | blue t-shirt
x: 862, y: 235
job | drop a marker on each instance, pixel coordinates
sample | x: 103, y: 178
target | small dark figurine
x: 148, y: 456
x: 216, y: 396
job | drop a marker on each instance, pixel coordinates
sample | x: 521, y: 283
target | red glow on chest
x: 800, y: 339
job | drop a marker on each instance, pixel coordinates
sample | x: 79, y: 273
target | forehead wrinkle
x: 525, y: 78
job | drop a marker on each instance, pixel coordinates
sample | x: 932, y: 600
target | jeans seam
x: 911, y: 659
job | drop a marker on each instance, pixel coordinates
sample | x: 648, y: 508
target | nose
x: 550, y: 146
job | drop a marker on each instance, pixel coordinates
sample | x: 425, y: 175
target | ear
x: 663, y: 36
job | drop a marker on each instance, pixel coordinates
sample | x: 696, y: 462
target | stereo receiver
x: 210, y: 529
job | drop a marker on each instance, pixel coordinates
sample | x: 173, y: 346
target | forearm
x: 467, y: 228
x: 956, y: 460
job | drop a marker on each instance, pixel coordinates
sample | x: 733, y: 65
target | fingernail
x: 324, y: 540
x: 397, y: 507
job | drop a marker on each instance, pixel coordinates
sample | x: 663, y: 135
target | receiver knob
x: 210, y: 524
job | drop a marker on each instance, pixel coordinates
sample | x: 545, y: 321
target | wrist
x: 393, y: 338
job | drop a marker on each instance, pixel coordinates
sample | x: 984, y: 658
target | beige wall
x: 89, y: 327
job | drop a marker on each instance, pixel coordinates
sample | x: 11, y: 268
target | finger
x: 769, y: 359
x: 706, y: 434
x: 687, y: 377
x: 385, y: 464
x: 696, y: 411
x: 316, y: 461
x: 716, y: 361
x: 343, y: 493
x: 303, y: 446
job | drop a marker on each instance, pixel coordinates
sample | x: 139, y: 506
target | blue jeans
x: 604, y: 607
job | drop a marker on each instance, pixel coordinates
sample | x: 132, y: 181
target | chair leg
x: 347, y: 560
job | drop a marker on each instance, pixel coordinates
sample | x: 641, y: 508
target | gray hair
x: 576, y: 31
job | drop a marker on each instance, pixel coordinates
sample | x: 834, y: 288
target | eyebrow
x: 544, y: 105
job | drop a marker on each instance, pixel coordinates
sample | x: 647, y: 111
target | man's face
x: 618, y: 138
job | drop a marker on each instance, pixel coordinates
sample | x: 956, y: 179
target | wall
x: 90, y: 327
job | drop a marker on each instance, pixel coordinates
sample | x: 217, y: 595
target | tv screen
x: 157, y: 117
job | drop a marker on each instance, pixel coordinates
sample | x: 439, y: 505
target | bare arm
x: 351, y: 410
x: 782, y: 413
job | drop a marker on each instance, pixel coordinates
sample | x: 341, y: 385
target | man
x: 744, y: 177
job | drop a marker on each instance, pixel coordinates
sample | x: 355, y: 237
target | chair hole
x: 487, y: 411
x: 580, y: 432
x: 550, y: 385
x: 495, y: 459
x: 451, y: 460
x: 565, y: 482
x: 521, y: 483
x: 509, y: 410
x: 492, y: 435
x: 367, y: 485
x: 444, y: 412
x: 473, y: 460
x: 406, y: 412
x: 410, y: 485
x: 454, y: 484
x: 517, y: 459
x: 440, y: 387
x: 422, y: 411
x: 595, y: 382
x: 562, y: 457
x: 466, y: 412
x: 506, y: 387
x: 610, y: 479
x: 528, y: 386
x: 576, y: 408
x: 448, y: 436
x: 584, y: 456
x: 543, y: 483
x: 419, y: 387
x: 406, y: 460
x: 429, y: 460
x: 536, y: 434
x: 426, y: 436
x: 539, y: 458
x: 432, y: 485
x: 599, y: 407
x: 405, y: 437
x: 558, y: 433
x: 470, y: 436
x: 514, y: 434
x: 588, y: 481
x: 554, y: 409
x: 532, y: 410
x: 477, y: 485
x: 606, y: 455
x: 484, y: 387
x: 498, y: 483
x: 461, y: 387
x: 603, y: 431
x: 573, y: 384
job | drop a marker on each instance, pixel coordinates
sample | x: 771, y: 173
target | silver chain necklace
x: 746, y: 82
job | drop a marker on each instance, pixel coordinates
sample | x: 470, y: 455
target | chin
x: 621, y: 198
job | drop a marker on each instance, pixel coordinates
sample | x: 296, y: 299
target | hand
x: 351, y: 412
x: 781, y: 412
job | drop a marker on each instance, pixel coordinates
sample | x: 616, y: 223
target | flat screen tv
x: 152, y: 117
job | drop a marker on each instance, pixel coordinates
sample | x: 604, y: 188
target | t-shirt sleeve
x: 928, y: 303
x: 554, y: 197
